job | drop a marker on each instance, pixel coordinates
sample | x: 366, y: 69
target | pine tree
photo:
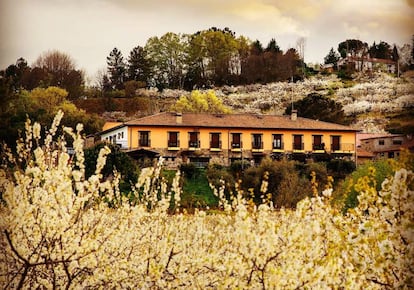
x: 332, y: 57
x: 116, y: 68
x: 138, y: 66
x: 273, y: 47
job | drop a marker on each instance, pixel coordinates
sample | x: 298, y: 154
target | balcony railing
x: 343, y: 147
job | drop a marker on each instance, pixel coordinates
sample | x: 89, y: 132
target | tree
x: 55, y: 61
x: 116, y: 160
x: 332, y: 58
x: 116, y: 68
x: 48, y: 99
x: 317, y: 107
x: 221, y: 46
x: 138, y: 68
x: 61, y: 72
x: 253, y: 66
x: 200, y: 102
x: 353, y: 47
x: 168, y: 60
x: 382, y: 50
x: 15, y: 73
x: 256, y: 48
x: 273, y: 47
x: 41, y: 105
x: 290, y: 64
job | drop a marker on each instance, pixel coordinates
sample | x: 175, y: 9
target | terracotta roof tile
x: 364, y: 153
x: 250, y: 121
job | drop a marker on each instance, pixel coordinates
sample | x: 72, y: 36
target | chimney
x: 179, y: 118
x: 294, y: 115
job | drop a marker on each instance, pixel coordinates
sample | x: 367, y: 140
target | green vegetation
x: 197, y: 192
x: 115, y: 161
x: 318, y: 107
x: 372, y: 172
x: 200, y: 102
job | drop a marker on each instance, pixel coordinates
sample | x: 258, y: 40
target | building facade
x: 387, y: 145
x: 223, y: 138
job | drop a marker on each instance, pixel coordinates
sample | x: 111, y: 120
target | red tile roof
x: 245, y: 121
x: 364, y: 153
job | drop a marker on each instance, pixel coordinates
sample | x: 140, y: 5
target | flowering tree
x: 61, y: 230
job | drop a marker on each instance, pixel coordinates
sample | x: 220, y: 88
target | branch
x: 379, y: 283
x: 26, y: 262
x: 14, y: 249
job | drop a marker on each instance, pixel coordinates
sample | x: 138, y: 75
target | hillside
x: 377, y: 102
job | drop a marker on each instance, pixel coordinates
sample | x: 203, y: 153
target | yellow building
x: 222, y: 138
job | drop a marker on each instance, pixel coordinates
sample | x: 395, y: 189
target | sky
x: 88, y: 30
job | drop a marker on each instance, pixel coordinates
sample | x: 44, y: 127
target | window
x: 297, y: 142
x: 194, y: 141
x: 144, y: 138
x: 317, y: 143
x: 236, y: 140
x: 277, y: 141
x: 397, y: 142
x: 215, y: 142
x: 336, y: 143
x: 381, y: 142
x: 173, y: 139
x: 257, y: 142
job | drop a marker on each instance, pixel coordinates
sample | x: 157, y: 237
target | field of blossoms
x: 60, y: 230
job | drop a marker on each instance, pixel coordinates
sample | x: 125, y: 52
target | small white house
x: 116, y: 135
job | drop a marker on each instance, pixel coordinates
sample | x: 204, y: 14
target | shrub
x: 285, y: 186
x: 237, y: 167
x: 189, y: 170
x: 219, y: 175
x: 116, y: 160
x: 378, y: 171
x: 340, y: 168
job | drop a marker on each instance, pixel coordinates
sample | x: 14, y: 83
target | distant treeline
x: 207, y: 58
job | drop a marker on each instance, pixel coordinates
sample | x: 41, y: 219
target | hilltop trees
x: 270, y: 64
x: 51, y: 68
x: 201, y: 60
x: 61, y: 71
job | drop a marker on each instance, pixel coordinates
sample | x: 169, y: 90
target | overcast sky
x: 88, y: 30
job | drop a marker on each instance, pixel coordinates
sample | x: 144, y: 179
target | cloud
x: 89, y: 30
